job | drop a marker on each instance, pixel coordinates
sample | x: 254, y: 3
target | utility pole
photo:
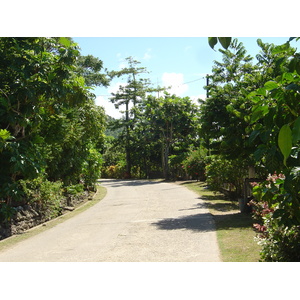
x: 207, y: 95
x: 207, y: 83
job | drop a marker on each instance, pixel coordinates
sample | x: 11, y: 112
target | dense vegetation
x: 51, y: 132
x: 261, y: 101
x: 155, y: 133
x: 54, y: 140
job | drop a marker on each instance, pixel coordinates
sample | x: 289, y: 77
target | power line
x: 165, y: 87
x: 193, y: 80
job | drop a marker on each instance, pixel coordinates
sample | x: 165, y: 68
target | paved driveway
x: 137, y: 221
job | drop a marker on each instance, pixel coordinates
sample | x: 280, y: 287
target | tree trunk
x: 127, y: 146
x: 165, y: 160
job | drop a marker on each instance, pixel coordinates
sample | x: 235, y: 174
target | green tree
x: 90, y: 68
x: 273, y: 104
x: 222, y: 113
x: 133, y: 93
x: 47, y: 115
x: 173, y: 120
x: 274, y: 126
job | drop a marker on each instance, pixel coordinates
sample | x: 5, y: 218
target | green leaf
x: 296, y: 131
x: 281, y: 48
x: 212, y: 41
x: 255, y: 99
x: 288, y: 76
x: 254, y: 134
x: 260, y: 152
x: 225, y: 41
x: 292, y: 64
x: 271, y: 85
x: 4, y: 134
x: 261, y: 91
x: 65, y: 41
x: 258, y: 112
x: 285, y: 141
x: 298, y: 67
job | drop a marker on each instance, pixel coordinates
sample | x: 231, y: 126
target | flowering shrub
x: 194, y: 165
x: 277, y: 212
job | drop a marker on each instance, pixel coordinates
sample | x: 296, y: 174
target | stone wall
x: 29, y: 216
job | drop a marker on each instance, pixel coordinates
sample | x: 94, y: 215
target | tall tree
x: 222, y: 113
x: 130, y: 94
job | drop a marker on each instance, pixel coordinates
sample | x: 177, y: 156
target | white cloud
x: 176, y: 81
x: 195, y: 98
x: 108, y: 107
x: 147, y: 54
x: 122, y: 61
x: 122, y: 65
x: 114, y: 88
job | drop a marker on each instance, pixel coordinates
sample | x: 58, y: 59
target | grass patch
x: 11, y: 241
x: 234, y: 229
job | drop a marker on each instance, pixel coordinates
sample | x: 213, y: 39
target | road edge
x: 83, y: 206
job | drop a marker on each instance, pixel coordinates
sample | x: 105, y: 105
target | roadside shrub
x: 6, y: 212
x: 74, y: 189
x: 92, y: 169
x: 45, y: 194
x: 177, y: 170
x: 276, y: 210
x: 226, y: 176
x: 194, y: 165
x: 115, y: 171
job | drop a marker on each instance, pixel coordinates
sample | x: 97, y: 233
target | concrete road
x: 137, y: 221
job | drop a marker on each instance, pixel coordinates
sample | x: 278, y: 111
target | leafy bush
x: 276, y: 209
x: 176, y: 166
x: 279, y: 244
x: 115, y: 171
x: 46, y: 194
x: 6, y: 212
x: 92, y: 168
x: 74, y: 189
x: 226, y: 175
x: 194, y: 165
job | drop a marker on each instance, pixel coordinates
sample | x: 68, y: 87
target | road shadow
x: 128, y: 182
x: 226, y: 215
x: 233, y: 220
x: 219, y: 205
x: 206, y: 222
x: 198, y: 222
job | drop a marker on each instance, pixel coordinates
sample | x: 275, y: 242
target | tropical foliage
x: 269, y: 118
x: 54, y: 140
x: 51, y: 132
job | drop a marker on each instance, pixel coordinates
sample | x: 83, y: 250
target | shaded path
x: 138, y: 220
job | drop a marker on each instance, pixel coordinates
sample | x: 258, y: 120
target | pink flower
x: 259, y: 227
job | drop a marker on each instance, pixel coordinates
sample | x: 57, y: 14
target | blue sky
x: 181, y: 62
x: 113, y: 30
